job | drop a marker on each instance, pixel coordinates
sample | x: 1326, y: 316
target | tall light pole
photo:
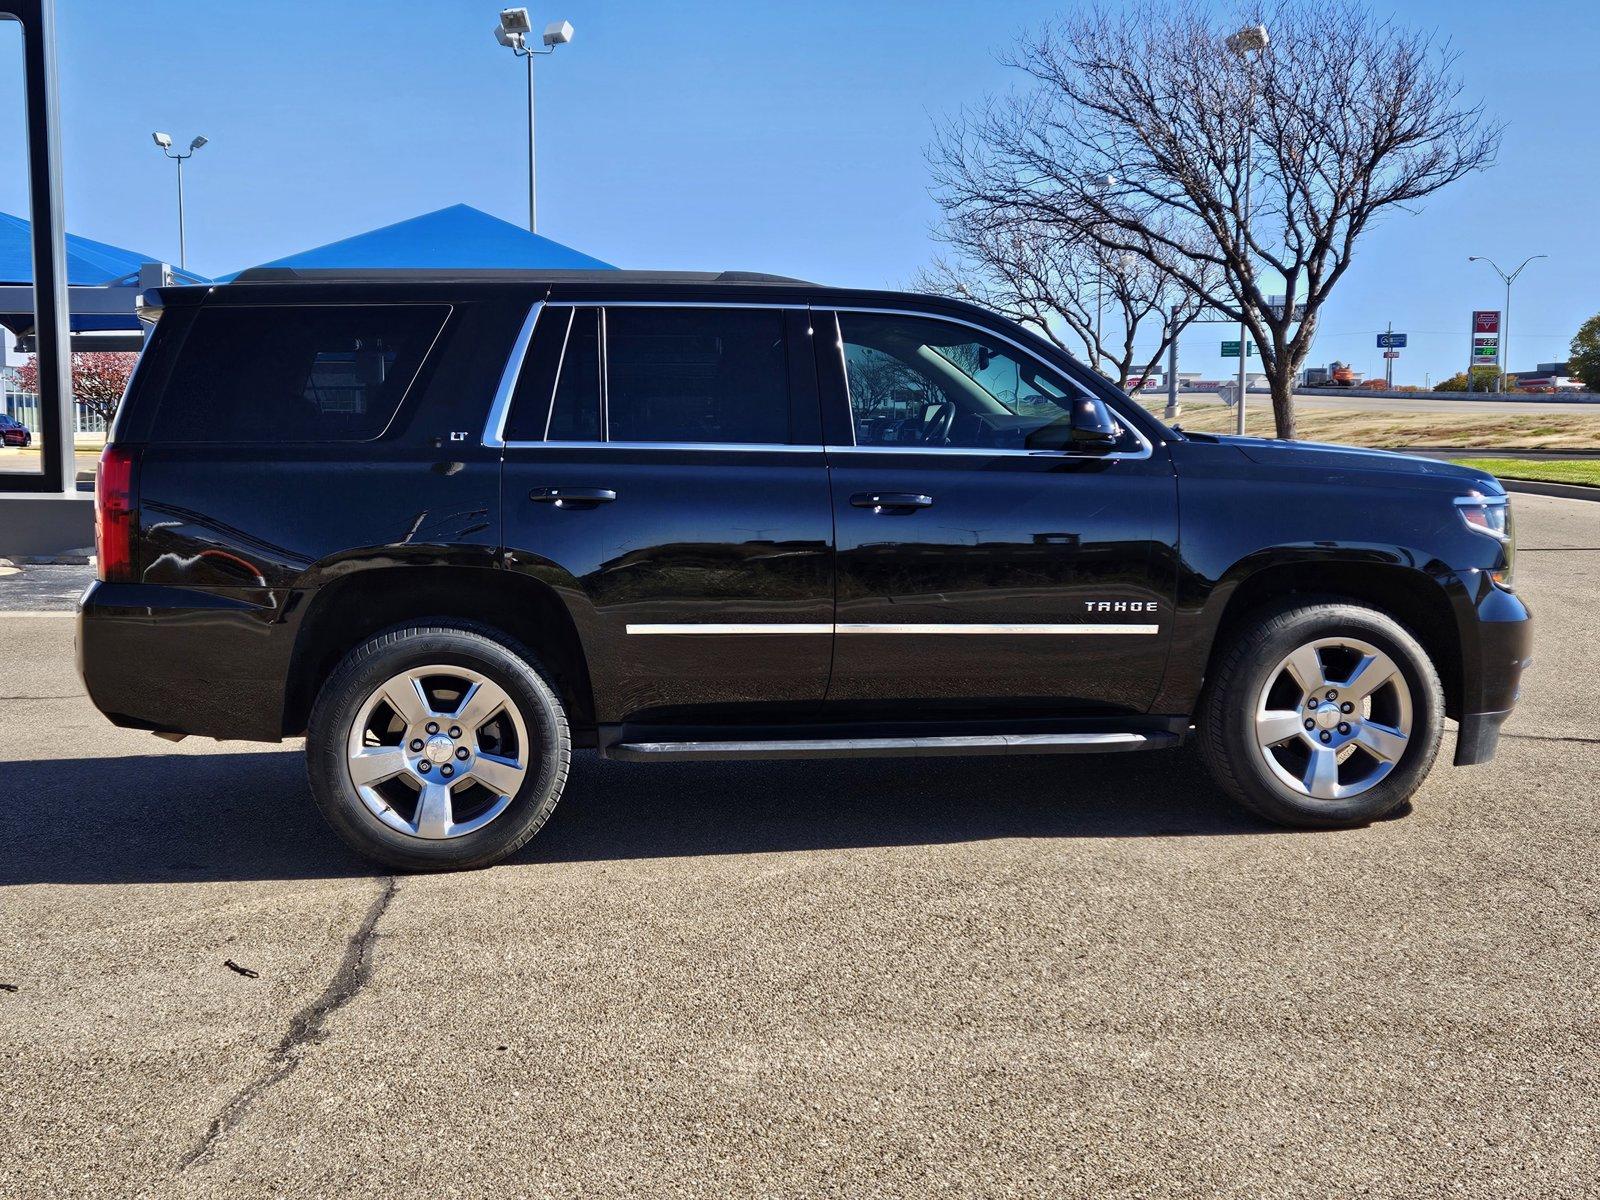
x: 513, y: 31
x: 1250, y: 38
x: 164, y: 140
x: 1505, y: 328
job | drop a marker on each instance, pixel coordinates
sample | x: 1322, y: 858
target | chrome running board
x: 894, y: 747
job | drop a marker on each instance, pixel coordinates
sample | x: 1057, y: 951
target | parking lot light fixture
x: 1505, y: 328
x: 513, y: 32
x: 164, y: 141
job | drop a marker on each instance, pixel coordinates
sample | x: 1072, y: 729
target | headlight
x: 1491, y: 516
x: 1486, y: 514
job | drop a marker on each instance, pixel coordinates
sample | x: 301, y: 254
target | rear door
x: 667, y: 458
x: 985, y: 568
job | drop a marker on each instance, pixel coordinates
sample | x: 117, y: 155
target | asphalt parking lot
x: 1075, y: 977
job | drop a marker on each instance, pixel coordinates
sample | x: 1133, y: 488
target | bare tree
x: 1344, y: 117
x: 1063, y: 287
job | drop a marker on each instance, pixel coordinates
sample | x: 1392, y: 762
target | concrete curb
x: 1469, y: 397
x: 1567, y: 491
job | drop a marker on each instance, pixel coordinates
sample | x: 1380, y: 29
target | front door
x: 985, y: 568
x: 677, y: 481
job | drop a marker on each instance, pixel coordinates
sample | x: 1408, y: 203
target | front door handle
x: 572, y: 497
x: 888, y: 502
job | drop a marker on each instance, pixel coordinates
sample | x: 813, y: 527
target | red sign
x: 1391, y: 354
x: 1486, y: 321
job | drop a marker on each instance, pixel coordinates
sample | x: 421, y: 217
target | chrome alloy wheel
x: 438, y: 751
x: 1333, y: 718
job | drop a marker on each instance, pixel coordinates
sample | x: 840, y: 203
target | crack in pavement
x: 1552, y: 737
x: 305, y: 1027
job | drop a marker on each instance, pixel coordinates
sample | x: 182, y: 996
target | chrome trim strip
x: 1048, y: 630
x: 981, y: 452
x: 673, y: 304
x: 494, y: 429
x: 1482, y: 501
x: 929, y: 629
x: 811, y: 448
x: 767, y: 447
x: 945, y: 742
x: 718, y: 629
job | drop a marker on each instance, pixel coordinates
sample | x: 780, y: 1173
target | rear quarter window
x: 307, y: 373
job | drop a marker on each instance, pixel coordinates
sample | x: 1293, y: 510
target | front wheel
x: 437, y: 747
x: 1321, y: 715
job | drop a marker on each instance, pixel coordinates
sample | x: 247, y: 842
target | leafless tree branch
x: 1345, y: 117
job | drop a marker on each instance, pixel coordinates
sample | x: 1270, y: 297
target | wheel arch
x: 1414, y: 598
x: 349, y: 609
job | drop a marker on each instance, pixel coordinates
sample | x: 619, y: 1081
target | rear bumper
x: 1496, y: 648
x: 185, y: 660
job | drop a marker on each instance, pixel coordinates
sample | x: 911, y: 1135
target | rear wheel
x: 1322, y: 715
x: 437, y: 748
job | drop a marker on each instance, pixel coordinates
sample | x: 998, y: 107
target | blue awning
x: 458, y: 236
x: 89, y: 263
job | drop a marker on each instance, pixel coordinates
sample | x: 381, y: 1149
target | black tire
x: 386, y: 655
x: 1240, y: 669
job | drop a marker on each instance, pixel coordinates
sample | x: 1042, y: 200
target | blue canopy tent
x: 458, y: 236
x: 92, y: 269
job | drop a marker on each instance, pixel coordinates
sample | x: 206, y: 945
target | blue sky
x: 765, y: 136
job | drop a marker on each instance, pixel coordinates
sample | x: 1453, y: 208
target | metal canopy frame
x: 43, y: 119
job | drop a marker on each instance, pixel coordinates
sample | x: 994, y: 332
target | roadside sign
x: 1486, y: 347
x: 1276, y: 303
x: 1486, y: 320
x: 1231, y: 350
x: 1391, y: 341
x: 1391, y: 354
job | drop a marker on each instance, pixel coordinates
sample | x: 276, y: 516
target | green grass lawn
x: 1568, y: 470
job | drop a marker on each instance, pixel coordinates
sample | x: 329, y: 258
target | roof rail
x: 532, y: 275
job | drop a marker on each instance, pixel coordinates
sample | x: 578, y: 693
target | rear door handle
x: 572, y: 497
x: 883, y: 502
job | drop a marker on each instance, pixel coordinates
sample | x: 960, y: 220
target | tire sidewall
x: 384, y: 657
x: 1298, y: 627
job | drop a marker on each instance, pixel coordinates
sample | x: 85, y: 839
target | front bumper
x: 1496, y: 648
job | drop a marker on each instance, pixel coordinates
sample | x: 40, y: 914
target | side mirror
x: 1093, y: 426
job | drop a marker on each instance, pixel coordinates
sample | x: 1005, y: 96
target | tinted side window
x: 924, y: 382
x: 559, y: 386
x: 575, y: 413
x: 697, y: 375
x: 310, y: 373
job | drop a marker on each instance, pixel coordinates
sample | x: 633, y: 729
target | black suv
x: 450, y: 526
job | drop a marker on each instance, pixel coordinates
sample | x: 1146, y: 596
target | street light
x: 1505, y: 332
x: 164, y: 140
x: 1252, y: 38
x: 513, y: 31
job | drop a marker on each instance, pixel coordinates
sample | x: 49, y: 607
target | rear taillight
x: 115, y: 506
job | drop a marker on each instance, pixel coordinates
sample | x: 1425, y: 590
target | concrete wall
x: 45, y: 525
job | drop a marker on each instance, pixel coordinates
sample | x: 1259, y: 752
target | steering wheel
x: 936, y: 428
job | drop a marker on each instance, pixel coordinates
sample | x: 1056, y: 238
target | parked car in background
x: 451, y: 527
x: 13, y: 432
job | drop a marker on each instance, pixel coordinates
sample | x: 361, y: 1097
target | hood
x: 1324, y: 459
